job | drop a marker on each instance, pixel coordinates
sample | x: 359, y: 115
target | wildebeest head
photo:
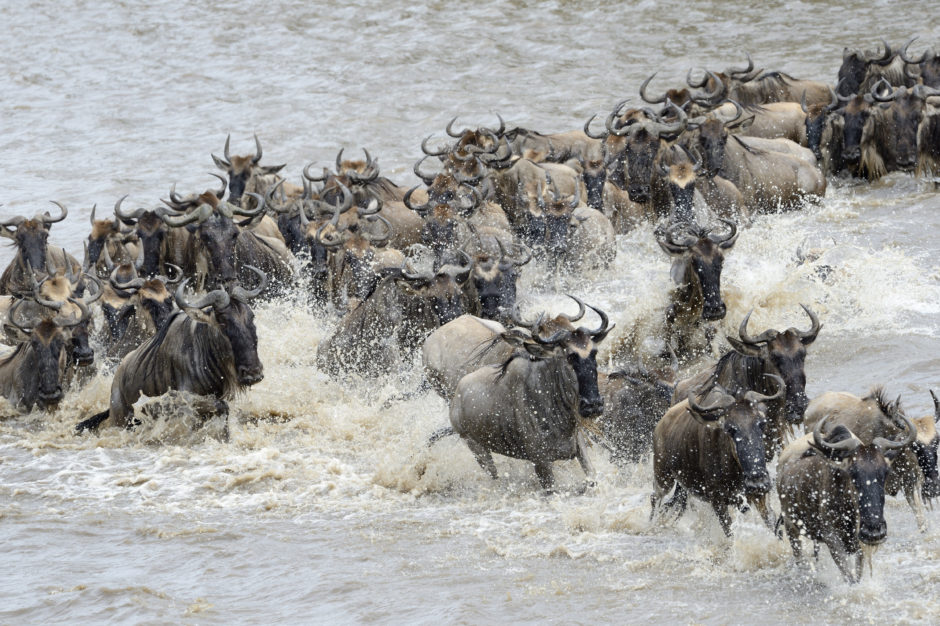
x: 31, y: 236
x: 904, y: 116
x: 702, y: 256
x: 558, y: 337
x: 743, y: 418
x: 439, y: 292
x: 854, y: 68
x: 712, y: 136
x: 210, y: 219
x: 928, y: 66
x: 817, y: 116
x: 786, y: 351
x: 494, y: 278
x: 855, y: 112
x: 354, y: 249
x: 63, y: 295
x: 227, y: 309
x: 47, y: 340
x: 550, y: 224
x: 631, y: 147
x: 679, y: 180
x: 110, y: 233
x: 685, y: 98
x: 148, y: 296
x: 925, y: 447
x: 241, y: 168
x: 867, y: 465
x: 152, y: 229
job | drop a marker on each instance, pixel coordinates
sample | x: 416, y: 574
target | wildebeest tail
x: 437, y: 435
x: 92, y: 422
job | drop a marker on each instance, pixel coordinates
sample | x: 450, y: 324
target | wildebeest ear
x: 199, y: 315
x: 6, y: 232
x: 514, y: 337
x: 537, y: 350
x: 743, y: 348
x: 272, y: 169
x: 220, y: 163
x: 600, y: 336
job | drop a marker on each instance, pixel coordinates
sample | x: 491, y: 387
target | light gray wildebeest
x: 530, y: 406
x: 832, y: 490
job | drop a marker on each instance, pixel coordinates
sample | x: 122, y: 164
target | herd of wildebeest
x: 163, y: 294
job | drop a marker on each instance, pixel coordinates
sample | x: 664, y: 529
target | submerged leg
x: 543, y: 469
x: 913, y: 495
x: 483, y: 457
x: 724, y: 518
x: 796, y: 544
x: 585, y: 462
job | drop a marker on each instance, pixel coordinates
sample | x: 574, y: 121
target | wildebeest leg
x: 93, y: 422
x: 543, y: 469
x: 724, y: 518
x: 766, y: 513
x: 585, y: 462
x: 914, y: 498
x: 796, y: 544
x: 483, y: 457
x: 850, y: 564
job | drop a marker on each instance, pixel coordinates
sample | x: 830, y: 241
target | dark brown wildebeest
x: 634, y: 401
x: 33, y: 374
x: 824, y: 131
x: 529, y: 407
x: 928, y: 67
x: 208, y: 348
x: 245, y: 172
x: 772, y: 352
x: 716, y: 452
x: 752, y: 87
x: 696, y: 272
x: 832, y: 490
x: 928, y: 142
x: 914, y: 471
x: 860, y: 70
x: 392, y: 322
x: 159, y: 243
x: 120, y: 240
x: 31, y: 239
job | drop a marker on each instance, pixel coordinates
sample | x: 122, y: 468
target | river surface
x: 326, y: 507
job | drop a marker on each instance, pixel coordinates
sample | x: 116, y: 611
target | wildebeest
x: 459, y: 347
x: 493, y: 280
x: 696, y: 272
x: 914, y: 471
x: 832, y: 490
x: 768, y: 172
x: 208, y: 348
x: 634, y: 401
x: 393, y: 321
x: 120, y: 240
x: 824, y: 131
x: 772, y: 352
x: 529, y: 407
x: 753, y: 87
x: 31, y: 239
x: 244, y: 172
x: 716, y: 452
x: 33, y: 373
x: 928, y: 66
x: 860, y: 70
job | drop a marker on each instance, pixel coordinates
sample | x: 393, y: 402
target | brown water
x: 314, y: 511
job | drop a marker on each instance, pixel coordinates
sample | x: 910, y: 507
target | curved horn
x: 450, y: 129
x: 420, y: 209
x: 605, y: 323
x: 755, y: 397
x: 764, y: 337
x: 910, y: 434
x: 311, y: 177
x: 648, y: 98
x: 258, y: 210
x: 201, y: 214
x: 662, y: 129
x: 224, y: 181
x: 612, y: 117
x: 336, y: 239
x: 579, y: 314
x: 380, y: 240
x: 257, y: 156
x: 809, y: 336
x: 738, y: 112
x: 936, y: 406
x: 91, y: 278
x: 26, y: 327
x: 92, y: 218
x: 892, y: 93
x: 134, y: 283
x: 217, y: 298
x: 139, y: 261
x: 745, y: 70
x: 244, y: 295
x: 587, y: 129
x: 728, y: 240
x: 225, y: 152
x: 427, y: 178
x: 849, y: 445
x: 428, y: 152
x: 712, y: 412
x: 885, y: 58
x: 903, y: 53
x: 48, y: 219
x: 81, y: 318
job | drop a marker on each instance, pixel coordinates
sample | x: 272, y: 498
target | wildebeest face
x: 358, y: 274
x: 594, y: 176
x: 868, y: 468
x: 851, y: 73
x: 711, y: 140
x: 788, y: 355
x: 495, y: 287
x: 156, y: 301
x: 815, y: 123
x: 855, y: 114
x: 218, y: 234
x: 582, y: 357
x: 439, y: 231
x: 927, y: 460
x: 31, y: 239
x: 680, y: 181
x: 151, y: 231
x: 707, y: 260
x: 446, y: 298
x: 237, y: 321
x: 117, y: 318
x: 615, y: 151
x: 290, y: 228
x: 79, y: 347
x: 642, y: 147
x: 47, y: 342
x: 930, y: 71
x: 744, y: 423
x: 905, y: 114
